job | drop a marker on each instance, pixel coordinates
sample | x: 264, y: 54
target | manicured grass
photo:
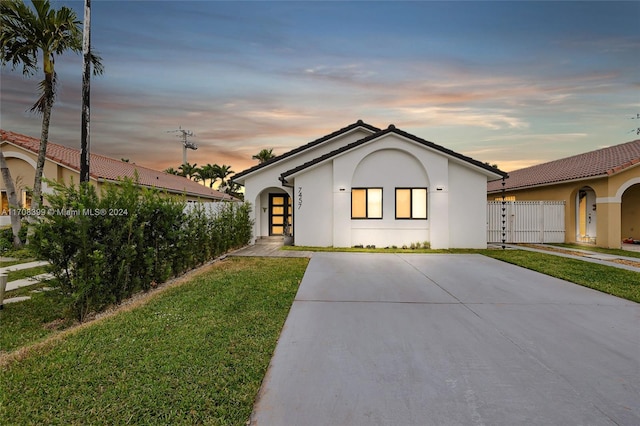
x: 608, y: 279
x: 32, y: 320
x: 193, y: 354
x: 26, y: 273
x: 10, y: 263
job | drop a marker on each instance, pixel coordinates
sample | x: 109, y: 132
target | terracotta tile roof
x: 391, y: 129
x: 602, y: 162
x: 304, y: 147
x: 108, y: 169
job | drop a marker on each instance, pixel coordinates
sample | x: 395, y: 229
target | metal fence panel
x: 526, y: 221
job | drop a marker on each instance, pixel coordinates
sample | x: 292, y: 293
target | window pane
x: 419, y: 203
x: 403, y: 203
x: 277, y: 210
x: 277, y: 220
x: 358, y: 203
x: 277, y: 230
x: 279, y: 201
x: 374, y: 202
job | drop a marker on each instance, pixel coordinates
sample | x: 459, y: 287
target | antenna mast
x: 637, y: 117
x: 183, y: 134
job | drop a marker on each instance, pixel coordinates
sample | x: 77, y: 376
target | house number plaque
x: 299, y: 197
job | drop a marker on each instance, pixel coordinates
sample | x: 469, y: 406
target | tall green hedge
x: 103, y: 248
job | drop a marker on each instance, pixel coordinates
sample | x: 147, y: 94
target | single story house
x: 63, y: 164
x: 362, y: 185
x: 601, y: 191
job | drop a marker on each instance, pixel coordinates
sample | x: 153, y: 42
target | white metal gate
x: 526, y: 221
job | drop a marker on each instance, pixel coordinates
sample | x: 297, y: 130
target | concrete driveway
x: 388, y: 339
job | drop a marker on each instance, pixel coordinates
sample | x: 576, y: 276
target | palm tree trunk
x: 13, y: 201
x: 42, y: 154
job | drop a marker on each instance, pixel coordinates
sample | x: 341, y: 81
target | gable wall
x: 467, y: 207
x: 269, y: 176
x: 312, y: 205
x: 387, y: 162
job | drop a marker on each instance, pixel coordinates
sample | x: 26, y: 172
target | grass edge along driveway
x: 194, y: 354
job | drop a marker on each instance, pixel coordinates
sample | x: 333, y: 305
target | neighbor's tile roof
x: 602, y: 162
x: 108, y: 169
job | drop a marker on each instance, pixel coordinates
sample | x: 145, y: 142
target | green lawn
x: 194, y: 354
x: 26, y: 273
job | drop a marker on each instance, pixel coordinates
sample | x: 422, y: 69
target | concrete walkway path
x: 21, y: 266
x: 586, y: 255
x: 388, y: 339
x: 269, y: 247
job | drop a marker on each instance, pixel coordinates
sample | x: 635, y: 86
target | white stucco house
x: 362, y: 185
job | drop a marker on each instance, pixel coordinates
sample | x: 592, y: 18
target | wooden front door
x: 279, y: 213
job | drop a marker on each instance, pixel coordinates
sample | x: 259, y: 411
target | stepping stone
x: 16, y: 299
x: 12, y: 285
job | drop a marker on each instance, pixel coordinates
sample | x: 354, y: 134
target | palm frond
x: 47, y: 91
x: 17, y: 29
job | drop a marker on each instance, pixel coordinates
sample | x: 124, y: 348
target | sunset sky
x: 513, y: 83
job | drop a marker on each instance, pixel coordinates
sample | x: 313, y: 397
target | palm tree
x: 264, y: 155
x: 208, y: 172
x: 222, y: 172
x: 26, y: 33
x: 171, y: 171
x: 233, y: 188
x: 189, y: 170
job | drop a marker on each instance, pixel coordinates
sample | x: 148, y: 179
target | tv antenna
x: 184, y: 134
x: 637, y: 117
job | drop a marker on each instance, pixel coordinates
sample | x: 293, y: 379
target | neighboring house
x: 601, y: 191
x: 62, y: 164
x: 365, y: 186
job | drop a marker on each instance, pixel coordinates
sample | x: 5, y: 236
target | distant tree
x: 222, y: 173
x: 233, y: 189
x: 124, y: 160
x: 208, y: 172
x: 26, y: 34
x: 495, y: 166
x: 171, y: 171
x: 264, y: 155
x: 189, y: 171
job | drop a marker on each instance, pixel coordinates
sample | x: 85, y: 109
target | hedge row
x: 104, y: 248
